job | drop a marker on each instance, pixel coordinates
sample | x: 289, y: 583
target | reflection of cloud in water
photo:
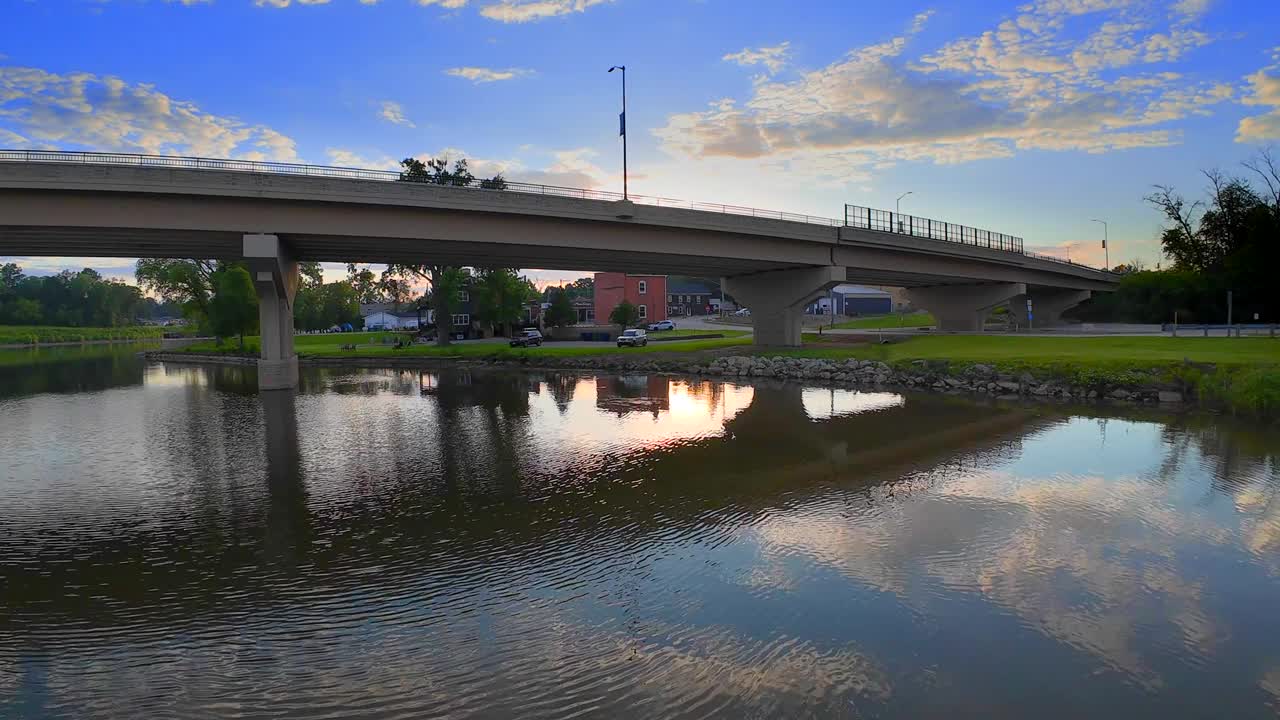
x: 825, y: 403
x: 540, y: 662
x: 1094, y: 562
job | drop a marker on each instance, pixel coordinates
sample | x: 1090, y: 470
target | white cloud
x: 1025, y: 84
x: 9, y: 139
x: 1192, y: 8
x: 774, y: 58
x: 479, y: 75
x: 1264, y: 91
x: 520, y: 11
x: 392, y: 112
x: 350, y: 159
x: 447, y: 4
x: 287, y: 3
x: 82, y: 110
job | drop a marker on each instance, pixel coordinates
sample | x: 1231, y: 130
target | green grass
x: 1047, y: 351
x: 1240, y: 374
x: 33, y: 334
x: 911, y: 320
x: 678, y: 333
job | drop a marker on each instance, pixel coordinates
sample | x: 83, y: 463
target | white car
x: 662, y: 325
x: 743, y: 312
x: 633, y: 338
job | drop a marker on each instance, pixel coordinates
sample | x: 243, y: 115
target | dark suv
x: 527, y: 338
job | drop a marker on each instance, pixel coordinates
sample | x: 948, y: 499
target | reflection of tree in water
x: 561, y: 386
x: 481, y: 428
x: 69, y: 369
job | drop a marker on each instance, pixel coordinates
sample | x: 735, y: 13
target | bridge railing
x: 324, y: 171
x: 887, y: 221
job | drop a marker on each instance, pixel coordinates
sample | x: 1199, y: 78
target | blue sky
x: 1028, y: 118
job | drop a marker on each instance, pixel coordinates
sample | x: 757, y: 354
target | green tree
x: 10, y: 277
x: 187, y: 282
x: 501, y: 297
x: 233, y: 309
x: 444, y: 281
x: 561, y: 312
x: 365, y: 283
x: 625, y: 315
x: 1228, y: 242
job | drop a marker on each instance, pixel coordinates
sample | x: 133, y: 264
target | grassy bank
x: 910, y: 320
x: 41, y: 334
x: 1242, y: 374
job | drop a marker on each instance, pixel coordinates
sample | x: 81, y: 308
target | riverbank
x: 1235, y: 375
x: 21, y: 336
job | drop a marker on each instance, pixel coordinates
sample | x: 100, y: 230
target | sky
x: 1025, y: 118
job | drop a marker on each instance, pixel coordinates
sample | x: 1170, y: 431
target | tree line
x: 73, y: 299
x: 1227, y: 241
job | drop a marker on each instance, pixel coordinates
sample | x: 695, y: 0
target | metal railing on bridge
x: 887, y: 221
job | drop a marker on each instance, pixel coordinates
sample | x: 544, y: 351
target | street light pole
x: 622, y: 127
x: 897, y: 208
x: 1106, y: 232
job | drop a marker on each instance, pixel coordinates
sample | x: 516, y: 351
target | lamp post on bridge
x: 622, y: 127
x: 897, y: 207
x: 1105, y: 250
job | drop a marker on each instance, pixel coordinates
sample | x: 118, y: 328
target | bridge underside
x: 225, y: 245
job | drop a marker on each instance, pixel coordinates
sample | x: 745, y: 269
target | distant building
x: 647, y: 292
x: 586, y: 310
x: 691, y: 298
x: 383, y: 320
x: 853, y: 300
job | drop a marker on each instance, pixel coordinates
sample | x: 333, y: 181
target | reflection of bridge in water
x: 436, y: 490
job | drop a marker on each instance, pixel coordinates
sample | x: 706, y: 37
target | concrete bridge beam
x: 963, y: 308
x: 777, y: 299
x: 1047, y: 306
x: 275, y: 276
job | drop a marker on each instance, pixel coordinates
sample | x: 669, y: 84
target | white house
x: 391, y: 321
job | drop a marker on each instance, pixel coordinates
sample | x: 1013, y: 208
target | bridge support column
x: 777, y: 299
x: 1047, y: 306
x: 275, y: 276
x: 963, y: 308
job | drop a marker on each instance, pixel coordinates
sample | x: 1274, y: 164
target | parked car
x: 662, y: 325
x: 527, y: 338
x: 634, y: 337
x: 743, y: 312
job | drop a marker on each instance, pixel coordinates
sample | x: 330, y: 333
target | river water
x: 405, y: 544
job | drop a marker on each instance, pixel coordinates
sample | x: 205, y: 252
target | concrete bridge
x: 273, y: 215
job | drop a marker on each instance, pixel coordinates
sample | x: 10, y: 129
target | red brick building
x: 646, y: 292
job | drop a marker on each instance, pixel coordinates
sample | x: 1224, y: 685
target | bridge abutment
x: 963, y: 308
x: 1047, y: 306
x: 777, y: 299
x: 275, y: 277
